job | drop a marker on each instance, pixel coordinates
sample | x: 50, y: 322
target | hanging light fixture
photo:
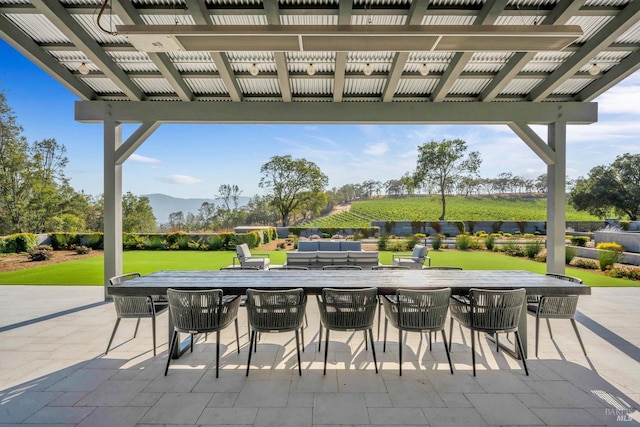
x: 424, y: 69
x: 594, y: 70
x: 368, y: 69
x: 311, y: 70
x: 254, y: 70
x: 83, y: 69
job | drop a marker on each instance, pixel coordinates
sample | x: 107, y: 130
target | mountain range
x: 164, y: 205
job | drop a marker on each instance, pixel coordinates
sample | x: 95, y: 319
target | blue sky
x: 192, y: 161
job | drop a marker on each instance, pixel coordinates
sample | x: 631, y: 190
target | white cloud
x: 377, y: 149
x: 180, y: 179
x: 142, y: 159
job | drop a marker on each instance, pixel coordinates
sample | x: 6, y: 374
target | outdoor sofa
x: 317, y: 254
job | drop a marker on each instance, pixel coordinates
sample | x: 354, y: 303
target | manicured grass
x: 88, y: 271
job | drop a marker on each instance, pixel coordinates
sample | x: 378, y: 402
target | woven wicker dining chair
x: 135, y: 307
x: 556, y: 307
x: 489, y: 311
x: 196, y: 312
x: 341, y: 267
x: 385, y: 267
x: 347, y: 310
x: 417, y: 311
x: 243, y: 298
x: 276, y: 311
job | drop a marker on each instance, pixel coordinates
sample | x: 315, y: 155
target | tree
x: 290, y: 182
x: 137, y: 214
x: 443, y: 163
x: 615, y: 187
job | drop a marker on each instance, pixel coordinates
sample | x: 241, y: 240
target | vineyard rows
x: 458, y: 209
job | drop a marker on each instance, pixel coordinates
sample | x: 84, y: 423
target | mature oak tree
x: 615, y: 187
x: 291, y: 182
x: 443, y: 163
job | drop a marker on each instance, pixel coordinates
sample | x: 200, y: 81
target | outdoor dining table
x: 387, y: 282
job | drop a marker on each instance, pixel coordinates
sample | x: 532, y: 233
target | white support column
x: 112, y: 203
x: 556, y: 198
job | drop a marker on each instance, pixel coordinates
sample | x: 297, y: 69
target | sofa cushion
x: 307, y: 246
x: 332, y: 257
x: 328, y: 246
x: 351, y: 246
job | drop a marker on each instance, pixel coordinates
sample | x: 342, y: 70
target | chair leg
x: 497, y: 342
x: 373, y: 350
x: 429, y: 340
x: 575, y: 328
x: 320, y: 336
x: 237, y: 334
x: 217, y: 352
x: 450, y: 333
x: 384, y: 345
x: 524, y: 360
x: 302, y: 335
x: 306, y: 321
x: 193, y: 338
x: 326, y: 352
x: 153, y: 330
x: 537, y: 333
x: 113, y: 334
x: 473, y: 352
x: 446, y: 349
x: 549, y: 326
x: 400, y: 350
x: 251, y: 338
x: 366, y: 341
x: 379, y: 314
x: 298, y: 351
x: 136, y: 330
x: 174, y: 340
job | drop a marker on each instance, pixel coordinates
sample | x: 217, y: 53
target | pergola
x: 512, y: 62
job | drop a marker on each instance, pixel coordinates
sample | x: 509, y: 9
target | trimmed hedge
x: 18, y: 243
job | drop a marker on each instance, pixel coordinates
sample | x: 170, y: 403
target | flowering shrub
x: 590, y: 264
x: 610, y: 246
x: 627, y: 272
x: 463, y: 242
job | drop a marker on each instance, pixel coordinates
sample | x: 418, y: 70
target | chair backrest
x: 442, y: 267
x: 342, y: 267
x: 130, y: 306
x: 419, y: 253
x: 349, y: 308
x: 390, y: 267
x: 565, y: 277
x: 240, y: 268
x: 281, y: 310
x: 289, y: 267
x: 558, y: 307
x: 196, y: 310
x: 422, y: 309
x: 242, y: 251
x: 496, y: 310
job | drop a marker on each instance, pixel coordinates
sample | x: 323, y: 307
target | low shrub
x: 19, y: 243
x: 527, y: 236
x: 476, y: 244
x: 513, y: 249
x: 532, y: 249
x: 214, y: 242
x: 95, y: 240
x: 579, y: 240
x: 383, y: 241
x: 83, y: 250
x: 64, y: 240
x: 607, y: 258
x: 463, y: 242
x: 39, y: 254
x: 436, y: 242
x: 626, y: 272
x: 489, y: 242
x: 569, y: 254
x: 610, y: 246
x: 397, y: 247
x: 541, y: 257
x: 132, y: 241
x: 586, y: 263
x: 155, y: 242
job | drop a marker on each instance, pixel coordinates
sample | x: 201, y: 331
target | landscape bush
x: 610, y: 246
x: 40, y: 254
x: 586, y: 263
x: 64, y: 240
x: 383, y: 242
x: 579, y: 240
x: 607, y: 258
x: 489, y: 242
x: 569, y: 254
x: 463, y: 242
x: 18, y: 243
x: 83, y: 250
x: 133, y: 241
x: 513, y: 249
x: 400, y: 246
x: 95, y: 240
x: 625, y: 271
x: 436, y: 242
x: 532, y: 249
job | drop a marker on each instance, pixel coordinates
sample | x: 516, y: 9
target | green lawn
x: 88, y: 271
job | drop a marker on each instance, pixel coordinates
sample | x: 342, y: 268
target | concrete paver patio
x: 53, y: 372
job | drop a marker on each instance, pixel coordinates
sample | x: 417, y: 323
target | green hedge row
x: 17, y: 243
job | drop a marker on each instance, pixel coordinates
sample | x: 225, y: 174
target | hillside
x: 164, y: 205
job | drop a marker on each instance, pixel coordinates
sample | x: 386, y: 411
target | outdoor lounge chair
x: 244, y: 257
x: 415, y: 260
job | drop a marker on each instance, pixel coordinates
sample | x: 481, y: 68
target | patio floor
x: 53, y: 371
